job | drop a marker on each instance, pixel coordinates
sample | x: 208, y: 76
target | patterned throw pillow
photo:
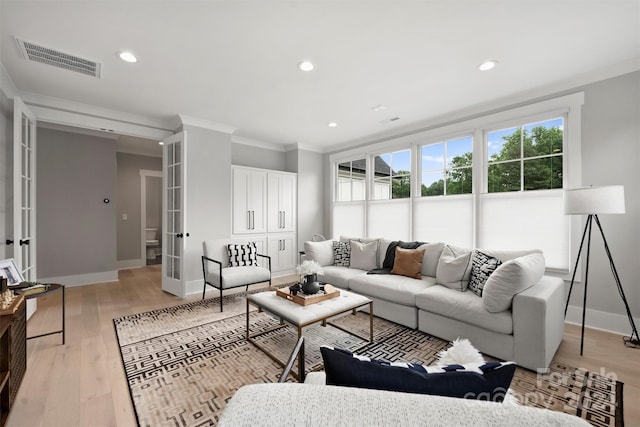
x: 481, y: 268
x: 243, y: 255
x: 341, y: 253
x: 485, y: 380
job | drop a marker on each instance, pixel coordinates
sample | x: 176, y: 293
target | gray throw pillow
x: 363, y: 255
x: 454, y: 268
x: 511, y: 278
x: 432, y: 252
x: 320, y: 252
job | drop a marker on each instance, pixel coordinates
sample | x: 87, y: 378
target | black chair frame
x: 221, y: 286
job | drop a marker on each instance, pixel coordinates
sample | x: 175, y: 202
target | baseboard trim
x: 83, y: 279
x: 601, y: 320
x: 130, y: 263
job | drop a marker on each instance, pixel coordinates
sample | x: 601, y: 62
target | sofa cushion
x: 408, y: 262
x: 398, y: 289
x: 339, y: 276
x: 511, y: 278
x: 320, y: 252
x: 363, y: 255
x: 465, y: 307
x: 432, y: 252
x: 341, y: 253
x: 454, y: 268
x: 486, y: 380
x: 241, y: 255
x: 482, y: 265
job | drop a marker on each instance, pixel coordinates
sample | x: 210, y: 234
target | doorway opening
x: 151, y: 216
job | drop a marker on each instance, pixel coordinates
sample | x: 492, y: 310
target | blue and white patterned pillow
x: 482, y: 266
x: 482, y: 381
x: 341, y: 253
x: 242, y: 255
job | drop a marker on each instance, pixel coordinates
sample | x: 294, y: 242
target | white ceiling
x: 234, y: 62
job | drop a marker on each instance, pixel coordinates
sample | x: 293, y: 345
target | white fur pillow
x: 511, y: 278
x: 460, y: 353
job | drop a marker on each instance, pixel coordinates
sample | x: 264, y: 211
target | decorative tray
x: 304, y: 299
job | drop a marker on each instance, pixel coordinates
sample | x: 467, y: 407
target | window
x: 526, y: 157
x: 446, y: 167
x: 351, y: 181
x: 392, y: 175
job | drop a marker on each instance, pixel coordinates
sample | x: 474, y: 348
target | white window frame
x: 442, y: 140
x: 568, y: 105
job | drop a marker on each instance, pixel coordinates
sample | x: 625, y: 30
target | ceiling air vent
x: 67, y: 61
x: 392, y: 119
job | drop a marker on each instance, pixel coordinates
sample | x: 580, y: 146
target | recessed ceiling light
x: 378, y: 107
x: 333, y: 124
x: 305, y: 66
x: 128, y: 57
x: 160, y: 142
x: 487, y: 65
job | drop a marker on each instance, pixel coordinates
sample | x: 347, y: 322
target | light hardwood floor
x: 82, y: 383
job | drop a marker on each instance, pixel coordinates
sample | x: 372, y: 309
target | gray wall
x: 76, y: 230
x: 153, y: 205
x: 256, y: 157
x: 208, y: 210
x: 310, y: 195
x: 611, y: 155
x: 6, y: 175
x: 129, y: 202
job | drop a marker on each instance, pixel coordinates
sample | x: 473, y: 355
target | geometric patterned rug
x: 184, y: 363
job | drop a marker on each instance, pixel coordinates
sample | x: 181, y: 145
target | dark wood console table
x: 13, y: 356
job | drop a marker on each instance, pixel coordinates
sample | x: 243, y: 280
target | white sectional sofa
x: 526, y: 326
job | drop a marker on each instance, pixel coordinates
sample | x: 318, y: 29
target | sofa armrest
x: 538, y: 322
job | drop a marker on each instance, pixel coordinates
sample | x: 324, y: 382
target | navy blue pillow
x: 488, y: 381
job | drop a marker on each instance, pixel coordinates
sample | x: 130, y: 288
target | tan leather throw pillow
x: 408, y: 262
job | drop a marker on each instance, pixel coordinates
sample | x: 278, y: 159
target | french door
x: 173, y: 218
x: 24, y: 179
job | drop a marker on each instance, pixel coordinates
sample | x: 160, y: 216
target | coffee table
x: 300, y: 316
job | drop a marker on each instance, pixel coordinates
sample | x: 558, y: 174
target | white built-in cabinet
x: 249, y: 201
x: 264, y: 208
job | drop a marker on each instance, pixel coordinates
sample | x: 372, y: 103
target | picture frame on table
x: 10, y: 271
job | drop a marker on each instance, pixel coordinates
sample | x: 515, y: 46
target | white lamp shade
x: 594, y: 200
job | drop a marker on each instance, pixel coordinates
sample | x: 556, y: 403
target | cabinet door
x: 282, y: 250
x: 282, y: 196
x: 241, y: 190
x: 287, y: 198
x: 258, y: 202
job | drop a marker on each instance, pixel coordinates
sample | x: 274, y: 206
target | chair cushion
x: 238, y: 276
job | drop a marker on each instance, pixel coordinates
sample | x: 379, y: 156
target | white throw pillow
x: 432, y: 252
x: 454, y: 268
x: 320, y: 252
x: 511, y: 278
x: 363, y: 255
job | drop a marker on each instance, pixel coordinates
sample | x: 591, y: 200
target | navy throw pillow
x: 483, y: 381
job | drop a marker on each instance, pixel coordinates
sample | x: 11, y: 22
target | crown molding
x: 257, y: 143
x: 185, y: 120
x: 6, y: 84
x: 306, y: 147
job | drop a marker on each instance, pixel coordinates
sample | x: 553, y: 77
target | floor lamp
x: 592, y: 201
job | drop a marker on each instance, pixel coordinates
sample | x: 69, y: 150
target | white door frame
x: 144, y: 174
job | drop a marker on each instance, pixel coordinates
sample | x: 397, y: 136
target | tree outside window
x: 526, y: 158
x: 447, y: 167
